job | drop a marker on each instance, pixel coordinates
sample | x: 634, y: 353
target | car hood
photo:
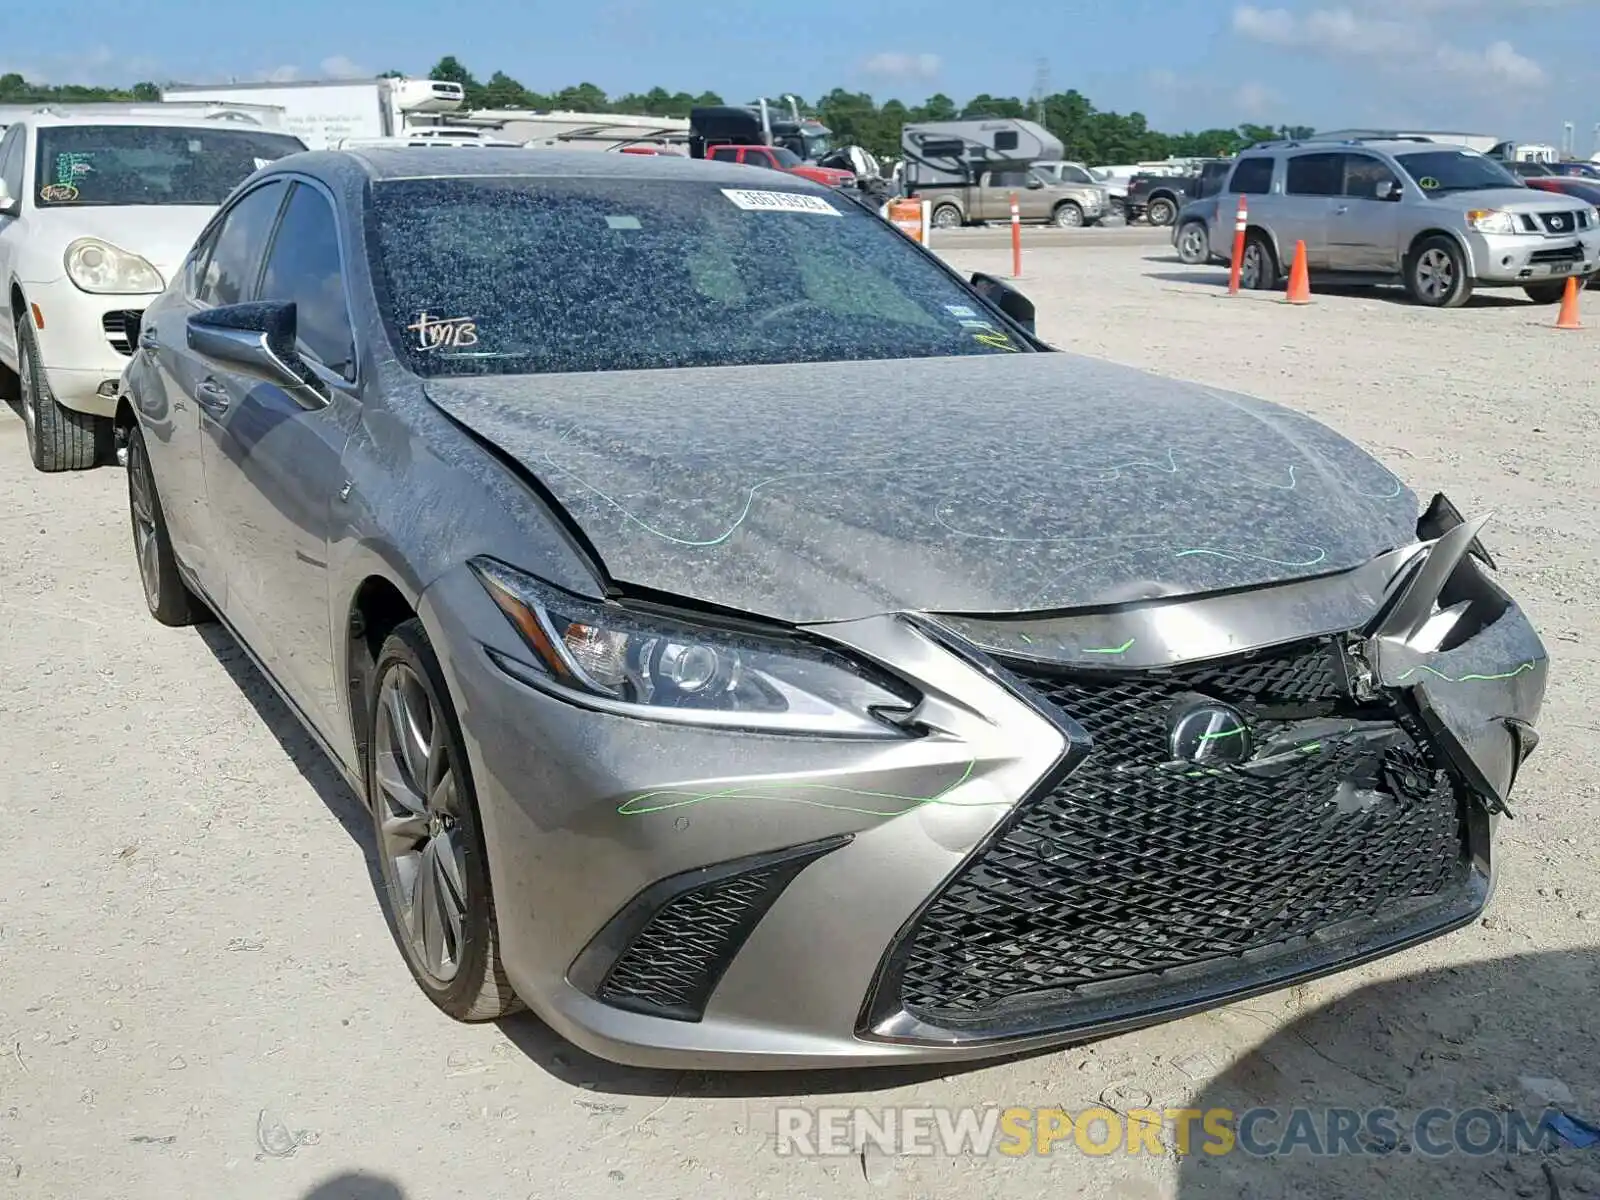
x: 1527, y: 198
x: 989, y: 484
x: 161, y: 234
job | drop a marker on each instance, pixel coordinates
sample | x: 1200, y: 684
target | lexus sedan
x: 758, y: 649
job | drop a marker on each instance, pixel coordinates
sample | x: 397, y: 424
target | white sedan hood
x: 159, y: 233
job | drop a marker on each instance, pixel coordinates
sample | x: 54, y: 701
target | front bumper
x: 1515, y: 259
x: 84, y: 343
x: 1019, y: 875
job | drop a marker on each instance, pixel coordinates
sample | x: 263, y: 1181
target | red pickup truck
x: 779, y: 158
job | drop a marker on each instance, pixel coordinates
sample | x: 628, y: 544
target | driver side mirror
x: 1387, y: 189
x: 10, y: 206
x: 1007, y: 299
x: 255, y: 340
x: 1035, y: 182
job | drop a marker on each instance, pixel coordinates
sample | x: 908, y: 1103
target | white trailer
x: 581, y: 130
x: 324, y: 113
x: 954, y: 152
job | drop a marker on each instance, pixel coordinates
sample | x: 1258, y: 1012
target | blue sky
x: 1513, y: 67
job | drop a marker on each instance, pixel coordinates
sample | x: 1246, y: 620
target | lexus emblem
x: 1204, y: 731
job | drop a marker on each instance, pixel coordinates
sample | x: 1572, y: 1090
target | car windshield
x: 523, y: 276
x: 96, y: 165
x: 786, y: 157
x: 1438, y: 172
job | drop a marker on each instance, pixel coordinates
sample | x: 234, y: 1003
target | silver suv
x: 1438, y: 218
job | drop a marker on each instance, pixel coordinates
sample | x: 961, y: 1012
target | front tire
x: 1068, y: 215
x: 1258, y: 271
x: 169, y: 599
x: 59, y: 439
x: 1161, y: 211
x: 1436, y: 273
x: 946, y: 216
x: 430, y: 842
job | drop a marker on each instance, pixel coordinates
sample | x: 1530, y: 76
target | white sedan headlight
x: 100, y: 267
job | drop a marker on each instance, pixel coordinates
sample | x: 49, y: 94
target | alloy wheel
x: 1192, y: 243
x: 1253, y: 267
x: 423, y: 842
x: 1436, y: 274
x: 141, y: 498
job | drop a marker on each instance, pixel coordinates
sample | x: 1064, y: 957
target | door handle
x: 148, y: 339
x: 211, y: 395
x: 1341, y: 210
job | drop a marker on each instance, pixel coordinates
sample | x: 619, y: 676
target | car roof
x: 1383, y: 146
x: 47, y: 119
x: 445, y: 161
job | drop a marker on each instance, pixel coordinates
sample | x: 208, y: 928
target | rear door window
x: 1315, y: 175
x: 1252, y: 176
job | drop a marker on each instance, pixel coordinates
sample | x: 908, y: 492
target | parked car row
x: 95, y: 216
x: 1440, y: 220
x: 475, y: 457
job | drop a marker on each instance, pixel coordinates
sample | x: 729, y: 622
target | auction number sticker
x: 56, y: 193
x: 765, y: 201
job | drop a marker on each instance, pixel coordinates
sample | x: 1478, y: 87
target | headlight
x: 663, y: 669
x: 97, y: 266
x: 1491, y: 220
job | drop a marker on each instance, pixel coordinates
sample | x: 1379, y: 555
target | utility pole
x: 1041, y: 88
x: 1569, y: 141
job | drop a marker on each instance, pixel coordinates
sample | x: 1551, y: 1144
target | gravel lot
x: 203, y: 999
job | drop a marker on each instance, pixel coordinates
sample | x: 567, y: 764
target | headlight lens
x: 97, y: 266
x: 663, y: 669
x: 1491, y: 220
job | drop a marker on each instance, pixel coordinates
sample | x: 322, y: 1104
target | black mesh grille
x: 1134, y: 864
x: 678, y: 958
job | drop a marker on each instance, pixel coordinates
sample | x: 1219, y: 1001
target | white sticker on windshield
x: 765, y: 201
x: 616, y: 222
x: 261, y: 162
x: 959, y: 310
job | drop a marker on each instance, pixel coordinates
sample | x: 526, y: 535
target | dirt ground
x: 201, y: 997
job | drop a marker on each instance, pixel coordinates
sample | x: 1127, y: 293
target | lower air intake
x: 665, y: 953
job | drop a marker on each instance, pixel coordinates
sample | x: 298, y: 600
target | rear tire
x: 430, y: 840
x: 1546, y: 293
x: 1161, y: 211
x: 59, y: 439
x: 169, y: 599
x: 1436, y: 273
x: 1194, y: 244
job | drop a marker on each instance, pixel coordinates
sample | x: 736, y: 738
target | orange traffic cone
x: 1568, y: 317
x: 1299, y: 280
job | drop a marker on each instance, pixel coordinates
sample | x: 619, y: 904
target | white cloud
x: 339, y: 66
x: 1499, y: 62
x: 906, y: 67
x: 1344, y: 33
x: 1255, y: 100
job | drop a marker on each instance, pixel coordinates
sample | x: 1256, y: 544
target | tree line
x: 1088, y: 134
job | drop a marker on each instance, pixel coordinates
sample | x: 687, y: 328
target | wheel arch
x: 1434, y: 231
x: 376, y: 605
x: 1272, y: 242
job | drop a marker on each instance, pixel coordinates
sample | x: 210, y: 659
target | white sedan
x: 95, y: 215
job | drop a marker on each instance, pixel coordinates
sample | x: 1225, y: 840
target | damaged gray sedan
x: 759, y: 650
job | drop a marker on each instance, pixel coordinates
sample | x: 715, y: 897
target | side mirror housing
x: 10, y: 206
x: 1007, y: 299
x: 257, y: 340
x: 1035, y: 183
x: 1386, y: 190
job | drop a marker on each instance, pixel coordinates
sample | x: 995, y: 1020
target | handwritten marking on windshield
x: 444, y: 333
x: 57, y: 192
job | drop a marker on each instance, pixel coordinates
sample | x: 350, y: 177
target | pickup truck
x: 779, y: 158
x: 989, y: 199
x: 1158, y: 198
